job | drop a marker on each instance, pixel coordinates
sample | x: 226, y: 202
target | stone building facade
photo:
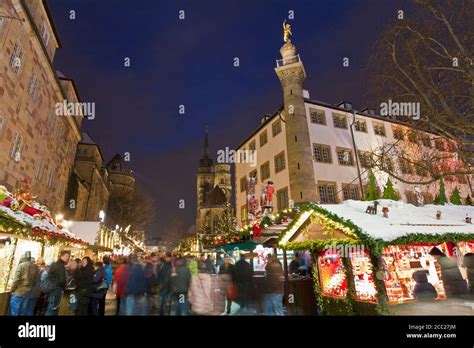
x: 35, y: 143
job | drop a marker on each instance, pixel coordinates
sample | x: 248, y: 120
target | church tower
x: 204, y: 179
x: 291, y: 73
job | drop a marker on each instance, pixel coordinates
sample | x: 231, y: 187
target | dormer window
x: 45, y: 35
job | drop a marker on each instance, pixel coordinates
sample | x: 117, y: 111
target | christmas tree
x: 455, y: 197
x: 389, y: 192
x: 227, y: 222
x: 371, y: 193
x: 468, y: 199
x: 441, y: 197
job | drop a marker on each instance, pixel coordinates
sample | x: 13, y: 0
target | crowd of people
x: 143, y: 284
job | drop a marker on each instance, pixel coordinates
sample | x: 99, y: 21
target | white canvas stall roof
x: 25, y: 219
x: 404, y: 218
x: 85, y: 230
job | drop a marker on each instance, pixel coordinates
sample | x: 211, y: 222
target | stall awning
x: 85, y: 230
x: 240, y: 246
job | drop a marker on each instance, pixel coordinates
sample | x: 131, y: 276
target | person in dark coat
x: 57, y: 277
x: 469, y: 264
x: 454, y: 283
x: 243, y: 279
x: 424, y: 291
x: 109, y: 277
x: 294, y: 265
x: 229, y: 269
x: 98, y: 291
x: 164, y: 281
x: 83, y: 278
x: 273, y: 291
x: 135, y: 288
x: 180, y: 284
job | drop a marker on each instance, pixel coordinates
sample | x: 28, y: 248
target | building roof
x: 118, y: 166
x: 205, y: 161
x: 51, y: 21
x: 404, y: 218
x: 86, y: 139
x: 364, y: 113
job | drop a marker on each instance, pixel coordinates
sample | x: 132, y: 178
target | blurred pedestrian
x: 164, y: 282
x: 180, y: 285
x: 226, y: 275
x: 135, y: 288
x: 273, y: 290
x: 99, y: 287
x: 120, y: 279
x: 243, y: 279
x: 24, y: 280
x: 83, y: 278
x: 109, y: 275
x: 454, y: 283
x: 57, y: 278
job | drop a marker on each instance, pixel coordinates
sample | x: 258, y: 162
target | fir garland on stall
x: 36, y: 234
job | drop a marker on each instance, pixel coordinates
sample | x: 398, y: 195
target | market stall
x: 364, y: 263
x: 26, y: 225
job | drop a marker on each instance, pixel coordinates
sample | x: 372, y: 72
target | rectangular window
x: 379, y: 128
x: 327, y: 193
x: 426, y: 140
x: 405, y: 166
x: 243, y: 214
x: 39, y: 170
x: 265, y: 170
x: 317, y: 116
x: 339, y: 121
x: 252, y: 145
x: 263, y: 138
x: 16, y: 147
x: 49, y: 181
x: 276, y: 127
x: 243, y: 183
x: 280, y: 162
x: 421, y: 171
x: 2, y: 125
x: 282, y: 199
x: 17, y: 58
x: 350, y: 192
x: 51, y: 118
x: 439, y: 144
x: 413, y: 137
x: 344, y: 156
x: 365, y: 159
x: 45, y: 35
x: 387, y: 164
x: 322, y: 153
x: 398, y: 133
x: 360, y: 126
x: 33, y: 86
x: 60, y: 131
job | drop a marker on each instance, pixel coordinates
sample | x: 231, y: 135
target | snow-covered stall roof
x: 85, y: 230
x: 404, y: 218
x: 25, y: 219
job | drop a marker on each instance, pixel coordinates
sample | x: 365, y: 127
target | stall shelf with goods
x: 364, y: 262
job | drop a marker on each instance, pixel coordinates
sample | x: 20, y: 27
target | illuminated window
x: 317, y: 116
x: 322, y: 153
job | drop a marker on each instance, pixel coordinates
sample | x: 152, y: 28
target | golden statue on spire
x: 286, y: 31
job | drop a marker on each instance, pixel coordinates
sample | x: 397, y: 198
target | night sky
x: 190, y: 62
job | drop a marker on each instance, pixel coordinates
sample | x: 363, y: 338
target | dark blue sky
x: 190, y: 62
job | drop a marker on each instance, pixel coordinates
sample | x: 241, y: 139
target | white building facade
x: 338, y: 156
